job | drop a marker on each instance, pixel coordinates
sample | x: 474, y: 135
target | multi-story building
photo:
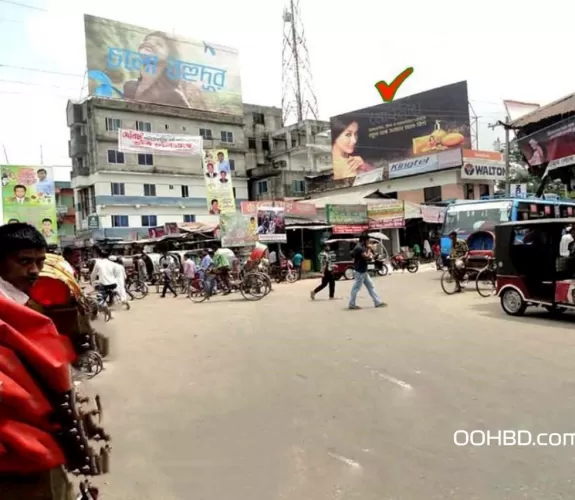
x: 124, y: 194
x: 279, y: 158
x: 65, y: 209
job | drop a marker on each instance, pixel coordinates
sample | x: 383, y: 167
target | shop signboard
x: 482, y: 165
x: 389, y: 214
x: 414, y: 166
x: 347, y: 219
x: 290, y: 207
x: 433, y: 214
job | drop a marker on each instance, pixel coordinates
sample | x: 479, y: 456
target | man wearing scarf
x: 43, y: 431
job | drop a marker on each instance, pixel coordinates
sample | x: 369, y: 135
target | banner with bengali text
x: 347, y: 219
x: 135, y: 141
x: 387, y: 214
x: 290, y: 207
x: 219, y: 185
x: 29, y: 195
x: 141, y: 64
x: 238, y: 230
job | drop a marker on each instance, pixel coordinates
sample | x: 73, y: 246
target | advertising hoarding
x: 29, y: 195
x: 347, y: 219
x: 136, y: 141
x: 389, y: 214
x: 428, y: 122
x: 483, y: 165
x: 131, y: 62
x: 290, y: 207
x: 238, y: 230
x: 554, y: 144
x: 271, y: 225
x: 219, y: 183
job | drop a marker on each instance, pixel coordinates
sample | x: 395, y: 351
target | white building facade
x: 122, y: 195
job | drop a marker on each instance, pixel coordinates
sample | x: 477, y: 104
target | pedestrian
x: 167, y: 279
x: 361, y: 256
x: 189, y: 271
x: 297, y: 261
x: 327, y: 279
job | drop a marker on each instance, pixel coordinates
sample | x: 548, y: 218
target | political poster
x: 271, y: 225
x: 219, y: 183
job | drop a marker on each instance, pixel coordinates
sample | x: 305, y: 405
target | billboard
x: 237, y: 230
x: 271, y: 225
x: 130, y: 62
x: 219, y: 183
x: 424, y: 123
x: 347, y: 219
x: 389, y: 214
x: 29, y: 195
x: 290, y: 207
x: 482, y: 165
x: 136, y: 141
x: 554, y: 144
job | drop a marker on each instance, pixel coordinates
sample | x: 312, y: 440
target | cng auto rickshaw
x: 530, y: 270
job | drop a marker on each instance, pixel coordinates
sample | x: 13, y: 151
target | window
x: 206, y: 133
x: 184, y: 128
x: 171, y: 187
x: 259, y: 119
x: 149, y: 221
x: 262, y: 187
x: 185, y: 192
x: 227, y: 136
x: 167, y: 127
x: 115, y: 156
x: 113, y: 124
x: 468, y: 191
x: 232, y: 164
x: 251, y: 143
x: 234, y: 192
x: 149, y: 190
x: 118, y: 188
x: 298, y: 186
x: 265, y: 145
x: 144, y: 126
x: 145, y: 159
x: 120, y: 221
x: 483, y: 189
x: 432, y: 194
x: 189, y: 218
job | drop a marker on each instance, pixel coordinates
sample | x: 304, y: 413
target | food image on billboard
x: 29, y: 195
x: 130, y: 62
x: 271, y: 225
x: 424, y: 123
x: 219, y: 184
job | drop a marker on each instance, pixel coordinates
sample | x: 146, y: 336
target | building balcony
x: 269, y: 170
x: 77, y: 146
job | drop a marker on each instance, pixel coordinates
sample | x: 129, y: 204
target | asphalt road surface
x: 289, y: 399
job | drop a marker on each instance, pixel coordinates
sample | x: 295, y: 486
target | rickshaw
x: 530, y: 270
x: 343, y: 265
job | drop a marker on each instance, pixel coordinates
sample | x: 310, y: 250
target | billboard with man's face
x: 420, y: 124
x: 29, y: 195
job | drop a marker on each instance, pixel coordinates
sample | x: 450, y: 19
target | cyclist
x: 221, y: 266
x: 105, y: 273
x: 459, y: 250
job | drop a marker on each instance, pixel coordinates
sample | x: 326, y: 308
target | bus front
x: 469, y: 216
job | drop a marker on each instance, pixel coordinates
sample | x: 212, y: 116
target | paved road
x: 288, y: 399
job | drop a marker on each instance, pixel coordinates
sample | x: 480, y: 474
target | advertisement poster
x: 347, y: 219
x: 483, y: 165
x: 271, y: 225
x: 290, y: 207
x: 424, y: 123
x: 28, y: 195
x: 135, y: 141
x: 219, y: 184
x: 389, y: 214
x: 237, y: 230
x: 433, y: 214
x: 554, y: 144
x: 140, y: 64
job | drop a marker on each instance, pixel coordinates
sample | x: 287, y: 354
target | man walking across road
x: 361, y: 256
x: 327, y: 279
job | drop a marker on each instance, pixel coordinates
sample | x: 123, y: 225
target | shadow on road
x: 492, y: 309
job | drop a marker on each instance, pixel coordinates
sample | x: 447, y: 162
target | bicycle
x: 455, y: 276
x: 108, y: 296
x: 486, y: 281
x: 253, y: 286
x: 136, y: 288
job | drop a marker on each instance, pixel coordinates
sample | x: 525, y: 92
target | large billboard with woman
x: 129, y: 62
x: 419, y: 124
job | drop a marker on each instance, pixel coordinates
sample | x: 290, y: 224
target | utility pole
x: 5, y: 154
x: 507, y: 156
x: 41, y: 155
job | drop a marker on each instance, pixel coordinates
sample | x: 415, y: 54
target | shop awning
x: 354, y: 198
x: 562, y: 106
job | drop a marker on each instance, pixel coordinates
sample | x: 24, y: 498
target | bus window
x: 469, y: 220
x: 534, y: 210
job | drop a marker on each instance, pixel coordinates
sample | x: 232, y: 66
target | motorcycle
x: 379, y: 266
x: 284, y: 272
x: 401, y: 263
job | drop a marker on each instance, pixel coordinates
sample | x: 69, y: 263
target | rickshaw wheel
x: 512, y: 302
x: 448, y: 283
x: 349, y: 273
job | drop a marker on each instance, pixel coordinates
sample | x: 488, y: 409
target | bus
x: 468, y: 216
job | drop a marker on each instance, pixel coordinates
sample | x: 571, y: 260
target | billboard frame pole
x: 507, y: 158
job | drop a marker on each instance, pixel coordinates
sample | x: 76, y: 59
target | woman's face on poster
x: 347, y: 139
x: 154, y: 46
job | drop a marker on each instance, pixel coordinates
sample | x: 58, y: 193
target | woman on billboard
x: 343, y: 142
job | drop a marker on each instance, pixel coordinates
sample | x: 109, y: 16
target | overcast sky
x: 503, y: 49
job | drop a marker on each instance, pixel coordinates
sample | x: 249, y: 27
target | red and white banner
x: 135, y: 141
x: 290, y: 207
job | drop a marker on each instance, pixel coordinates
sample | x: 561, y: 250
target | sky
x: 500, y: 48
